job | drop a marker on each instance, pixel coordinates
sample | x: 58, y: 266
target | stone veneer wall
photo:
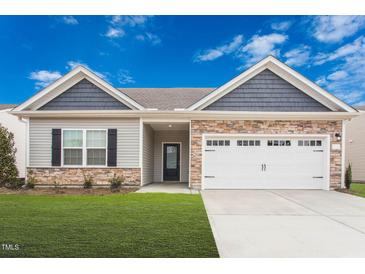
x: 198, y: 127
x: 75, y: 176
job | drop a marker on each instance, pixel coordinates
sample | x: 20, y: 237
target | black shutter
x: 56, y: 147
x: 112, y: 147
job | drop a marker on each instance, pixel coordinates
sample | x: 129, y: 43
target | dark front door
x: 171, y: 162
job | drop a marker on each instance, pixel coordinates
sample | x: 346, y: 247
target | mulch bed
x: 65, y: 191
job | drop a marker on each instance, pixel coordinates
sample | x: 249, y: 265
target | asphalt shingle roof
x: 6, y: 106
x: 166, y: 98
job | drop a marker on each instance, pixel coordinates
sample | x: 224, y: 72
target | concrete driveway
x: 286, y: 223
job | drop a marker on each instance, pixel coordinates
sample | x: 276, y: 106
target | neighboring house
x: 355, y: 145
x: 17, y: 127
x: 269, y: 127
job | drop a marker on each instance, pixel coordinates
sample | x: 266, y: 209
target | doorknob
x: 264, y: 167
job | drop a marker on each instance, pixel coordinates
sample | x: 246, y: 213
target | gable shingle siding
x: 267, y: 92
x: 84, y: 96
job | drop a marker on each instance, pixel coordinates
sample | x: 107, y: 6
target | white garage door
x: 265, y: 163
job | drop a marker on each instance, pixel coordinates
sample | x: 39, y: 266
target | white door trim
x: 325, y: 137
x: 162, y: 158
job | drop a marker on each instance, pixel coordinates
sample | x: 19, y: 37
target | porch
x: 168, y: 187
x: 165, y: 156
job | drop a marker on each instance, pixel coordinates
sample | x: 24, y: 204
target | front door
x: 171, y: 162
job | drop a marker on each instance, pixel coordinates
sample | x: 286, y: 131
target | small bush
x: 348, y: 177
x: 116, y: 182
x: 31, y: 180
x: 8, y: 170
x: 15, y: 183
x: 88, y: 181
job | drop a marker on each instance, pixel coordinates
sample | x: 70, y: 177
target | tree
x: 8, y: 169
x: 348, y: 177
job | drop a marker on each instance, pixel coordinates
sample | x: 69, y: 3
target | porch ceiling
x: 169, y: 126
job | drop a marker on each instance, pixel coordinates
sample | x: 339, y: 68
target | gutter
x: 188, y: 114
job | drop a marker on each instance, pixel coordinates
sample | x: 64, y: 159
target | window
x: 209, y: 142
x: 227, y: 143
x: 218, y: 143
x: 96, y: 147
x: 282, y: 143
x: 72, y: 147
x: 221, y: 143
x: 312, y: 143
x: 84, y: 147
x: 250, y: 143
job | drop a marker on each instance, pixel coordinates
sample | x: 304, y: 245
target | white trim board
x: 285, y: 72
x: 67, y: 81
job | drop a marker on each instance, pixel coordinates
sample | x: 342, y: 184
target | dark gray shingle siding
x: 267, y: 92
x: 84, y: 96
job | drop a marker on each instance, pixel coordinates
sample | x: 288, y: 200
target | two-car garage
x: 265, y: 162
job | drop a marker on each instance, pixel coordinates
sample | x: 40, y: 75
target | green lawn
x: 358, y: 189
x: 131, y: 225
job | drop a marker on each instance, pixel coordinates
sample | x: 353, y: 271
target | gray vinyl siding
x: 84, y: 96
x: 148, y: 154
x: 40, y: 138
x: 267, y: 92
x: 355, y: 146
x: 172, y: 136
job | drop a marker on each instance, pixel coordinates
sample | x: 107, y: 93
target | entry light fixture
x: 170, y: 125
x: 338, y: 136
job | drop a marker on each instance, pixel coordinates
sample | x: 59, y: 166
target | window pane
x: 257, y: 143
x: 209, y: 142
x: 96, y: 157
x: 96, y: 138
x: 227, y: 143
x: 221, y: 143
x: 239, y: 143
x: 245, y: 143
x: 318, y: 143
x: 72, y: 138
x: 288, y: 143
x: 171, y: 157
x: 313, y: 143
x: 300, y: 143
x: 269, y: 143
x: 72, y: 157
x: 215, y: 143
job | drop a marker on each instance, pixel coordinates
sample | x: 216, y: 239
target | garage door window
x: 312, y: 143
x: 281, y: 143
x: 218, y: 143
x: 250, y: 143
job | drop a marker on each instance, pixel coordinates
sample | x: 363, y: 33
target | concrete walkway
x: 168, y: 188
x: 286, y: 223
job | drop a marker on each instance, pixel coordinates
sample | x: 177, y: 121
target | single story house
x: 355, y: 145
x: 267, y: 128
x: 17, y: 127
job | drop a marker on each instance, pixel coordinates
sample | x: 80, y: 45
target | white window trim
x: 84, y: 148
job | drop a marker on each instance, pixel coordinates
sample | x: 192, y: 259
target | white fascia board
x: 284, y: 71
x: 70, y: 79
x: 194, y: 115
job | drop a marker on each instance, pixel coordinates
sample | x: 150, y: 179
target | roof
x: 166, y: 98
x: 360, y: 107
x: 7, y: 106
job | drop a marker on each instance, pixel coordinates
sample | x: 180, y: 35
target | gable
x: 267, y: 92
x: 84, y: 96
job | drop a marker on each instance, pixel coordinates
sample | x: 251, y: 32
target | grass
x: 130, y: 225
x: 358, y: 189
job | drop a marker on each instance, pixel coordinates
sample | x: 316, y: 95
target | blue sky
x: 179, y: 51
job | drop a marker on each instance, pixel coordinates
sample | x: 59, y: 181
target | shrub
x: 31, y: 180
x: 8, y: 170
x: 14, y: 183
x: 116, y: 182
x: 88, y: 181
x: 348, y: 177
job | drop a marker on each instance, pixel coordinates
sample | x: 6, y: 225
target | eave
x: 186, y: 114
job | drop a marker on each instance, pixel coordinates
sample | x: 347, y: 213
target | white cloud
x: 70, y: 20
x: 298, y: 57
x: 124, y: 77
x: 281, y: 26
x: 258, y: 47
x: 351, y: 97
x: 322, y: 81
x: 334, y: 28
x: 149, y: 37
x: 337, y: 75
x: 131, y: 21
x: 44, y: 78
x: 214, y: 53
x: 73, y: 64
x: 346, y: 50
x: 114, y: 32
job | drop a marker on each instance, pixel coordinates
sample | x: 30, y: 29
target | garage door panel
x: 265, y: 163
